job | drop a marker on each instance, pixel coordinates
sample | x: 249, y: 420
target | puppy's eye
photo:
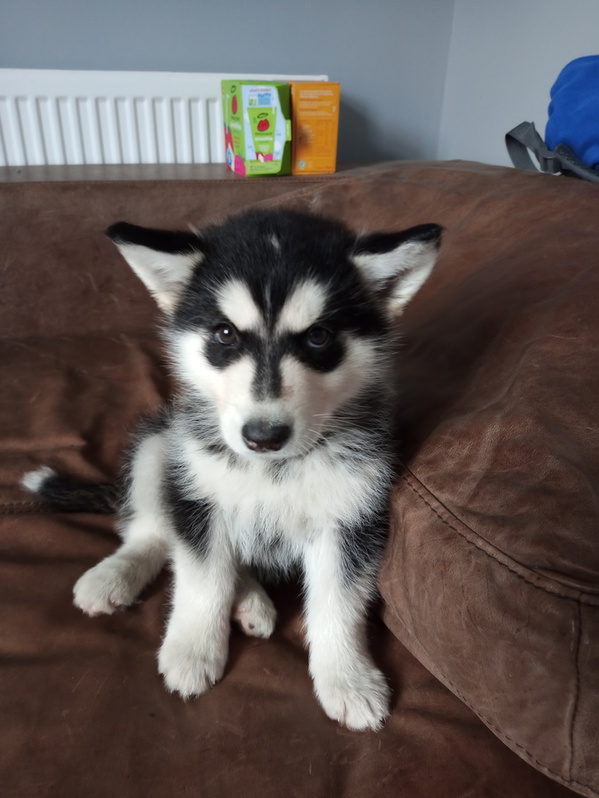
x: 226, y: 335
x: 318, y: 337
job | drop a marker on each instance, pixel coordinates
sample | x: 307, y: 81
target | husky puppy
x: 276, y: 451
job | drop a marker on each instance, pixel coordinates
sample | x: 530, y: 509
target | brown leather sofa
x: 488, y: 622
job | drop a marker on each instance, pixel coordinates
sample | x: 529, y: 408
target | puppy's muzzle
x: 263, y: 436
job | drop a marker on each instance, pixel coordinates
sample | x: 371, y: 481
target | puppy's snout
x: 264, y: 436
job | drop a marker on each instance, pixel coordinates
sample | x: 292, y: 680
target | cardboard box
x: 257, y: 119
x: 315, y: 111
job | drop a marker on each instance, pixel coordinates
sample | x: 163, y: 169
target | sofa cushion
x: 84, y: 710
x: 492, y: 573
x: 490, y: 577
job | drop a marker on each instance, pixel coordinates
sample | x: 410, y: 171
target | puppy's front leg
x: 194, y: 651
x: 348, y: 685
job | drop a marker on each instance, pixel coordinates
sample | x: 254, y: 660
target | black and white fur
x: 275, y: 453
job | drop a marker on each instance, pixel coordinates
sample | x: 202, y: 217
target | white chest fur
x: 260, y: 507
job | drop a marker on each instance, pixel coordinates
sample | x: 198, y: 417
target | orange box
x: 315, y: 115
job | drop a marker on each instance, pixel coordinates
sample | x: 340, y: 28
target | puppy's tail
x: 68, y: 495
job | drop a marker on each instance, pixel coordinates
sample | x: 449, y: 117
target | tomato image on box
x: 257, y: 127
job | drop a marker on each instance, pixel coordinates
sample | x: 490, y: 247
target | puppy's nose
x: 262, y: 436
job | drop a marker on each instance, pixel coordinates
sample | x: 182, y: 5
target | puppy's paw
x: 109, y: 586
x: 254, y: 611
x: 190, y: 670
x: 357, y: 698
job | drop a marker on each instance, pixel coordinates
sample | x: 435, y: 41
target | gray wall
x: 390, y: 56
x: 504, y: 57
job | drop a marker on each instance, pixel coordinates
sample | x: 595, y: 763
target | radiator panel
x: 60, y: 117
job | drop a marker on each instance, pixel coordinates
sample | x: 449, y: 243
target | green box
x: 257, y: 118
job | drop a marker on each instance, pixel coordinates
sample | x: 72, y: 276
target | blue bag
x: 571, y: 143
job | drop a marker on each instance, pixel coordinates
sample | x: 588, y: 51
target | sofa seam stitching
x: 568, y: 779
x: 505, y: 565
x: 504, y: 736
x: 577, y: 688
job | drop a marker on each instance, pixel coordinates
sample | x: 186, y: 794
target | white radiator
x: 53, y: 117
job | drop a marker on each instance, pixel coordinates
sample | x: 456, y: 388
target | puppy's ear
x: 397, y: 264
x: 164, y: 260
